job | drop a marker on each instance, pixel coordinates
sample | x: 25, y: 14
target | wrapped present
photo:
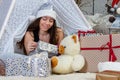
x: 100, y: 48
x: 35, y: 65
x: 86, y: 33
x: 108, y: 75
x: 44, y: 46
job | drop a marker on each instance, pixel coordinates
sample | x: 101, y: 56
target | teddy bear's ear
x: 74, y: 37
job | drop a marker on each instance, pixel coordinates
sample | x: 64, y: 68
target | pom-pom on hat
x: 118, y: 11
x: 50, y: 13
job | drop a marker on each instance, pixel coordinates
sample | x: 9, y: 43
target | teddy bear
x: 70, y: 60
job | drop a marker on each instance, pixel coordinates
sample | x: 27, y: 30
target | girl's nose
x: 47, y: 22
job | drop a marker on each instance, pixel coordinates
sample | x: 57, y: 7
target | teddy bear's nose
x: 61, y: 49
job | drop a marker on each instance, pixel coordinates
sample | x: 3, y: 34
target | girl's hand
x: 31, y: 46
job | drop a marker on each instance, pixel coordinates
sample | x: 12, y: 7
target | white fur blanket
x: 73, y: 76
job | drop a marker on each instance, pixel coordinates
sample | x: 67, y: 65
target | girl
x: 43, y: 28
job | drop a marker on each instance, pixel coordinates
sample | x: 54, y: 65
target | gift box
x: 100, y: 48
x: 86, y: 33
x: 35, y: 65
x: 108, y: 75
x: 44, y: 46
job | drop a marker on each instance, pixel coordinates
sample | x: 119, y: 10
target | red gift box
x: 100, y: 48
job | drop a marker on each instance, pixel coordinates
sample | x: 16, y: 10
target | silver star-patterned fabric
x: 46, y: 47
x: 36, y: 65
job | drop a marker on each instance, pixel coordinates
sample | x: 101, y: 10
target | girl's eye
x: 51, y: 20
x: 44, y: 18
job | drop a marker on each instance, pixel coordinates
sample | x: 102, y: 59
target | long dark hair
x: 35, y: 26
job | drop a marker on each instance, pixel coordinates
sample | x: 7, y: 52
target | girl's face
x: 46, y: 23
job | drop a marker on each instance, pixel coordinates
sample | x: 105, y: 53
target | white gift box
x: 35, y: 65
x: 46, y: 47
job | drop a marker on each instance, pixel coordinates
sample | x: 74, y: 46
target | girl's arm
x: 60, y: 35
x: 29, y: 43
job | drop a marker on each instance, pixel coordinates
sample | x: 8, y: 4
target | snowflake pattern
x: 28, y: 65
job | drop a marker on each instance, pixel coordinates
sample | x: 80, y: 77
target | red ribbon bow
x: 112, y: 56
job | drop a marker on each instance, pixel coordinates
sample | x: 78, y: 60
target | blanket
x: 72, y: 76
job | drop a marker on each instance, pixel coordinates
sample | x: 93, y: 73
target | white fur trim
x: 50, y: 13
x: 31, y: 18
x: 102, y: 66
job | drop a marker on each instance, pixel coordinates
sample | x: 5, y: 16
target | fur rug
x: 73, y: 76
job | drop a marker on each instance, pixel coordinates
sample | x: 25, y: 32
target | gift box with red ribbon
x: 86, y: 33
x: 99, y: 48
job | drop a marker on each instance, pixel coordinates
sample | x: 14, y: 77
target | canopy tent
x: 69, y: 17
x: 5, y: 13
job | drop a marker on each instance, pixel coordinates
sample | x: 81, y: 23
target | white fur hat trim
x: 115, y: 66
x: 32, y: 18
x: 50, y: 13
